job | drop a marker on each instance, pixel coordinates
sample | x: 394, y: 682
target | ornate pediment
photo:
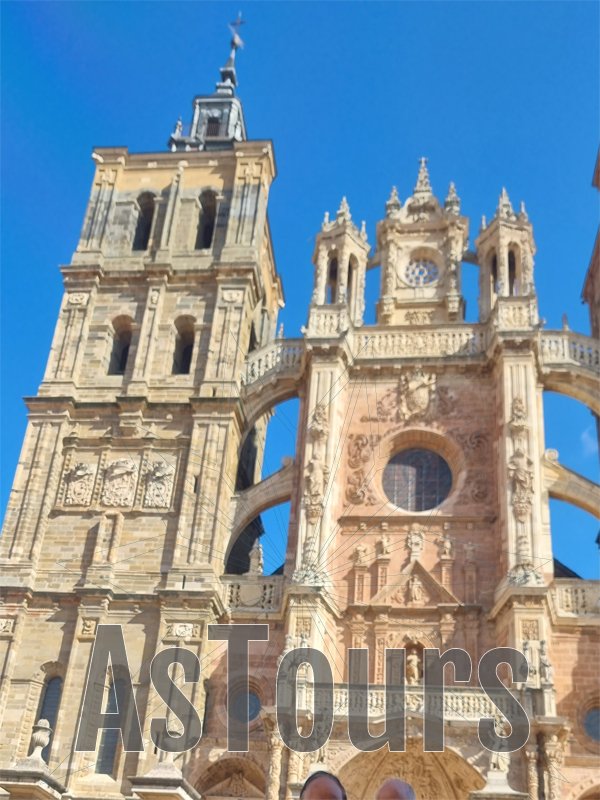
x: 414, y: 588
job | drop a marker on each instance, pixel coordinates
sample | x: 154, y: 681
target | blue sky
x: 352, y: 94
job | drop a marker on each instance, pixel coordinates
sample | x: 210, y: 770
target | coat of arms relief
x: 417, y: 396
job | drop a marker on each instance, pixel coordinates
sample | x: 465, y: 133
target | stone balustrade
x: 425, y: 342
x: 456, y: 704
x: 576, y: 598
x: 252, y: 592
x: 278, y: 356
x: 566, y: 347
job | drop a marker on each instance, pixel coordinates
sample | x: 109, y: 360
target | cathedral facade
x: 419, y: 489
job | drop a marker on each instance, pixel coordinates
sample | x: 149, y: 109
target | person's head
x: 395, y: 789
x: 322, y: 786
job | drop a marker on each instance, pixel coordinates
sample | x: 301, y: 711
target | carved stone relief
x: 360, y: 455
x: 159, y: 483
x: 120, y: 479
x: 417, y: 396
x: 78, y: 484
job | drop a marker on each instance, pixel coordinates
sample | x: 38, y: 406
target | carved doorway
x: 432, y: 775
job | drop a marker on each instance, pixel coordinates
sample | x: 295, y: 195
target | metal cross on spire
x: 234, y: 27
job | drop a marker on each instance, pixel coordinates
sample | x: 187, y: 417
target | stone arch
x: 432, y: 775
x: 232, y: 777
x: 588, y: 789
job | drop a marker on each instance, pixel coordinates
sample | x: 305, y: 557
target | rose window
x: 417, y: 480
x: 421, y: 272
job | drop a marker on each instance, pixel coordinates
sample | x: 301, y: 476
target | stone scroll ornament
x: 360, y: 455
x: 119, y: 483
x: 159, y: 485
x: 79, y: 483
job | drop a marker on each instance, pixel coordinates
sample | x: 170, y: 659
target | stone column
x: 274, y: 776
x: 531, y: 755
x: 318, y: 297
x: 148, y: 335
x: 553, y: 750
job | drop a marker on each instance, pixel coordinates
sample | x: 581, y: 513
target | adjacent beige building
x: 419, y: 488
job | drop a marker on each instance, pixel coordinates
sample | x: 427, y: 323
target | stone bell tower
x: 119, y: 509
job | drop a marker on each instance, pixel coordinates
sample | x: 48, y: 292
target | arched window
x: 253, y: 340
x: 213, y: 126
x: 145, y: 204
x: 120, y: 346
x: 49, y: 707
x: 184, y: 346
x: 109, y: 741
x: 352, y: 268
x: 494, y: 274
x: 332, y: 279
x: 206, y: 220
x: 512, y: 273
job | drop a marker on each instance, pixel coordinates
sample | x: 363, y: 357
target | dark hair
x: 322, y: 774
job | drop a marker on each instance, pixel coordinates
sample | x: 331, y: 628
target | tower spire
x: 228, y: 74
x: 423, y: 186
x: 218, y: 118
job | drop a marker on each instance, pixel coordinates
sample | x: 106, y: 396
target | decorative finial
x: 363, y: 231
x: 343, y: 213
x: 483, y: 225
x: 505, y: 209
x: 178, y: 128
x: 452, y: 202
x: 393, y: 205
x: 423, y: 185
x: 523, y: 212
x: 40, y: 739
x: 325, y: 224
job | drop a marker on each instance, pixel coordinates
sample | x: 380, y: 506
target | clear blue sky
x: 351, y: 94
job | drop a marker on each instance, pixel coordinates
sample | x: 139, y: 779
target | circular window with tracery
x: 421, y: 272
x: 245, y: 706
x: 417, y: 479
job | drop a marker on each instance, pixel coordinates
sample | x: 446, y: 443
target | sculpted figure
x: 413, y: 667
x: 415, y: 590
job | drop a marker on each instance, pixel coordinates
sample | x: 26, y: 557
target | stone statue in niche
x: 415, y: 542
x: 382, y: 547
x: 546, y: 668
x: 79, y: 482
x: 119, y: 483
x: 521, y: 474
x: 446, y: 546
x: 159, y: 484
x: 413, y: 667
x: 316, y: 480
x: 360, y: 555
x: 415, y: 589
